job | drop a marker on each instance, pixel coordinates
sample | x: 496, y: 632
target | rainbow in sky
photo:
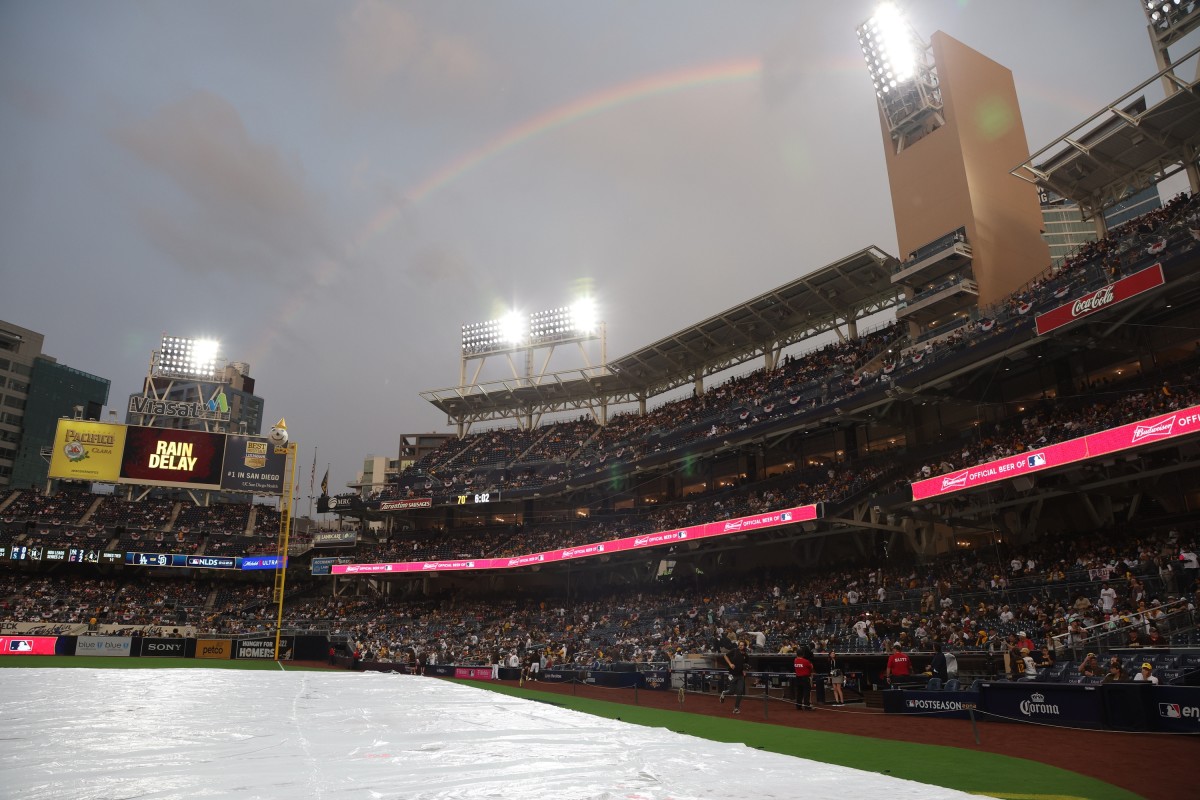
x: 582, y: 108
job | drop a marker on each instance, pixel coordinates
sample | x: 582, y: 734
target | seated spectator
x: 1029, y: 668
x: 1146, y: 674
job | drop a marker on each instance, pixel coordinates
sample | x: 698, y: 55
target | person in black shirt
x: 736, y: 660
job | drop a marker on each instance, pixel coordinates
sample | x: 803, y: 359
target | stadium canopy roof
x: 852, y: 288
x: 1123, y: 148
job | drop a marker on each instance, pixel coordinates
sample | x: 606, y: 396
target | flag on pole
x: 312, y: 479
x: 325, y: 482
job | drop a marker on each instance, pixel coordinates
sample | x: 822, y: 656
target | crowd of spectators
x: 518, y: 459
x: 1060, y: 592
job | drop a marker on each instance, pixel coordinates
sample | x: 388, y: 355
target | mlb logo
x: 1169, y: 710
x: 683, y: 534
x: 1037, y: 460
x: 20, y: 646
x: 786, y: 516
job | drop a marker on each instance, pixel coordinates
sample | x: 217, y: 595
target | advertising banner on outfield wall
x: 262, y: 648
x: 215, y: 648
x: 172, y: 457
x: 1174, y: 708
x: 103, y: 646
x: 27, y: 645
x: 1072, y: 705
x: 87, y: 451
x: 164, y: 648
x: 252, y: 464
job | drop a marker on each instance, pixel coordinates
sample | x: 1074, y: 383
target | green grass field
x: 952, y: 767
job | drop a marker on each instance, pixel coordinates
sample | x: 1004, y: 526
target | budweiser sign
x: 1102, y: 298
x: 1163, y: 428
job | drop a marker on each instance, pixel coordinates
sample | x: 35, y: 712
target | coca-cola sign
x: 1102, y: 298
x: 1093, y: 302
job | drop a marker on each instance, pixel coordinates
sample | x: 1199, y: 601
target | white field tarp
x: 122, y: 734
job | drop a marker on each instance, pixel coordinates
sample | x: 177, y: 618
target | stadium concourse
x: 186, y: 733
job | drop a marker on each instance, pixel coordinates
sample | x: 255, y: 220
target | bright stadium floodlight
x: 204, y: 355
x: 903, y: 74
x: 1165, y: 13
x: 513, y: 327
x: 583, y: 315
x: 187, y: 358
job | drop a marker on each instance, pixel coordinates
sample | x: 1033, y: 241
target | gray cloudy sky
x: 333, y: 189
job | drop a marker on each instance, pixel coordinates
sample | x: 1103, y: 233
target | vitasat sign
x: 252, y: 464
x: 87, y: 451
x: 166, y: 408
x: 1105, y: 297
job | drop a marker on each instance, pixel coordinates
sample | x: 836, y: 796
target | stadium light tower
x: 1169, y: 21
x: 904, y: 75
x: 516, y: 334
x: 959, y: 214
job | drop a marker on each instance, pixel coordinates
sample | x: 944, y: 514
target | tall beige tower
x: 969, y: 231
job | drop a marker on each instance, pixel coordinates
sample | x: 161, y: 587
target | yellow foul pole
x: 285, y: 527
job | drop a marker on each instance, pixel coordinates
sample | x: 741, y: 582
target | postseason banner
x: 87, y: 451
x: 252, y: 464
x: 172, y: 457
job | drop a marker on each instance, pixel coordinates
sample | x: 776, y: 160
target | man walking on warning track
x: 736, y: 660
